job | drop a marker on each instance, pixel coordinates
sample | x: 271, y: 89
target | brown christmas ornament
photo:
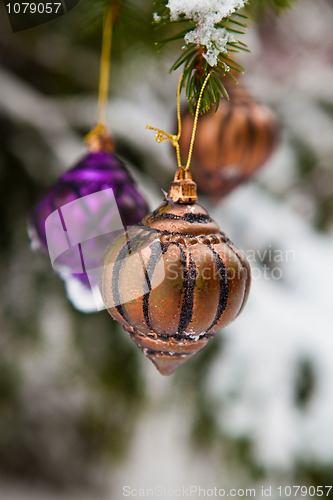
x: 175, y: 280
x: 231, y: 144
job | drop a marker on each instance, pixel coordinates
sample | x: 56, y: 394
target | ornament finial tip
x: 165, y: 366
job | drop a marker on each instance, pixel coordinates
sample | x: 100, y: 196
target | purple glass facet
x: 88, y: 216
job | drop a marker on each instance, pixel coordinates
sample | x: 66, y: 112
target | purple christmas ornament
x: 84, y: 210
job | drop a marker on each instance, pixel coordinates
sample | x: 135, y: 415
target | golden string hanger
x: 100, y: 129
x: 165, y: 136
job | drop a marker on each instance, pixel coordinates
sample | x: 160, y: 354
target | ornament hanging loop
x: 196, y: 117
x: 99, y: 138
x: 110, y: 15
x: 161, y: 136
x: 165, y: 136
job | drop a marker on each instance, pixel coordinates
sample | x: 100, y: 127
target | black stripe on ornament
x: 252, y: 129
x: 126, y: 250
x: 162, y: 231
x: 151, y: 265
x: 191, y: 218
x: 153, y: 352
x: 188, y: 288
x: 223, y: 126
x: 190, y: 276
x: 224, y: 289
x: 229, y: 243
x: 252, y: 139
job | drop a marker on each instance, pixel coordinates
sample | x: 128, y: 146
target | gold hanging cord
x: 165, y: 136
x: 100, y: 130
x: 104, y: 76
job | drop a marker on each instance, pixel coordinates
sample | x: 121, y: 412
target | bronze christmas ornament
x: 174, y: 280
x: 231, y: 143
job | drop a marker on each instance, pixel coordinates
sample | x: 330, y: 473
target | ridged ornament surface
x: 231, y: 144
x: 173, y: 282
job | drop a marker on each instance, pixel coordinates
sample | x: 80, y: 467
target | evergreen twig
x: 192, y: 59
x: 195, y: 66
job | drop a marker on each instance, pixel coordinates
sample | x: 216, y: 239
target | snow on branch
x: 206, y: 14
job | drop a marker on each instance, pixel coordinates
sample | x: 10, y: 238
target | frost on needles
x: 206, y: 14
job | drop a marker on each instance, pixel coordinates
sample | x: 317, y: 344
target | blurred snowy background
x: 82, y: 411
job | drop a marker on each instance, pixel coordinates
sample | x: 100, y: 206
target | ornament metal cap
x: 99, y: 139
x: 183, y: 189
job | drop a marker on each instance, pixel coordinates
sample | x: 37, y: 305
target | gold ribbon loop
x: 174, y: 139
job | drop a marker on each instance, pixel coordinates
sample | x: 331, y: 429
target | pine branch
x: 132, y: 22
x: 197, y: 59
x: 204, y: 51
x: 209, y: 46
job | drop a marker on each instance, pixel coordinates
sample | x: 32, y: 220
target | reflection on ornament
x: 176, y: 280
x: 232, y: 143
x: 93, y: 218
